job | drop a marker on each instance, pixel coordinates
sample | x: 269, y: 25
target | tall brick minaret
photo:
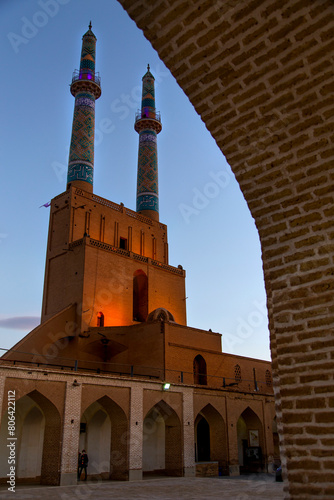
x: 85, y: 87
x: 148, y: 125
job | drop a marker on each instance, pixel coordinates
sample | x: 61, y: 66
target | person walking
x: 83, y: 462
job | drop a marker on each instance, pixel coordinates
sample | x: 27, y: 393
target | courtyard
x: 259, y: 486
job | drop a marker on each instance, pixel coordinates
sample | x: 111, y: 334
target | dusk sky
x: 210, y: 230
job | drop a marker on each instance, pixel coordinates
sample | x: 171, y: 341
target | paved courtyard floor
x: 259, y: 487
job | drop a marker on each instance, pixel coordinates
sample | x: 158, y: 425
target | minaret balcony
x: 83, y: 74
x: 85, y: 79
x: 153, y: 115
x: 148, y: 119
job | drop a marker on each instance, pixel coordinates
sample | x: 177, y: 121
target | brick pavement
x: 261, y: 487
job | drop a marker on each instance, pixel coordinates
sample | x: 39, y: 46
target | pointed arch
x: 38, y: 429
x: 103, y: 426
x: 140, y: 296
x: 100, y: 319
x: 237, y: 373
x: 162, y: 440
x: 216, y: 447
x: 250, y: 442
x: 269, y: 381
x: 199, y: 367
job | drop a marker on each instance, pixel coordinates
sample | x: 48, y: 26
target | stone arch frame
x: 218, y: 435
x: 259, y: 74
x: 173, y: 438
x: 119, y: 452
x: 253, y: 422
x: 52, y: 441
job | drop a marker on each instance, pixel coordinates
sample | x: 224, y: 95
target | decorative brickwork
x: 71, y: 431
x: 188, y: 432
x: 260, y: 74
x: 85, y: 88
x: 148, y: 125
x: 136, y: 431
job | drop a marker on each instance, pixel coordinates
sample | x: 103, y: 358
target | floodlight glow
x: 166, y: 387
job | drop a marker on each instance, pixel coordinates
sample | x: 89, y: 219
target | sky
x: 211, y: 232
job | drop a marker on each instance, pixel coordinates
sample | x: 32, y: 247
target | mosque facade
x: 113, y: 367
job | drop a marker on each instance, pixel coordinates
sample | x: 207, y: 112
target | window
x: 140, y: 296
x: 237, y: 373
x: 200, y: 370
x: 100, y: 319
x: 268, y: 378
x: 123, y: 243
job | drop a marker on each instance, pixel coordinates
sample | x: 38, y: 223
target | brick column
x: 189, y: 467
x: 232, y: 440
x: 136, y: 434
x: 71, y: 434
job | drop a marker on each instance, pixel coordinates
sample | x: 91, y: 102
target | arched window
x: 100, y: 319
x: 237, y: 373
x: 268, y: 378
x: 200, y: 370
x: 140, y: 296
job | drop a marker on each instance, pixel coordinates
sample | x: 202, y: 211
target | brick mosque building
x: 113, y: 366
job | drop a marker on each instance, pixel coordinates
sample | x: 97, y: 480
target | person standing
x: 83, y: 462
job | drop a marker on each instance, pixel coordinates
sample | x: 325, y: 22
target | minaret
x: 85, y: 87
x: 148, y: 125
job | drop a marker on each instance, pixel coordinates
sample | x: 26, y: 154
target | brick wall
x: 260, y: 74
x: 127, y: 402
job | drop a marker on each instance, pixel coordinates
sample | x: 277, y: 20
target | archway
x: 162, y: 441
x: 202, y: 453
x: 38, y: 432
x: 250, y: 442
x: 259, y: 75
x: 140, y: 296
x: 103, y: 430
x: 95, y: 436
x: 211, y: 438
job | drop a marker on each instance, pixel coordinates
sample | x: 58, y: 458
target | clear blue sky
x: 211, y: 232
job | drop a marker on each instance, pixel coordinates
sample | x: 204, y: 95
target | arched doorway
x: 103, y: 426
x: 162, y: 441
x: 140, y: 296
x: 202, y: 450
x: 200, y: 370
x: 250, y: 442
x: 37, y: 448
x: 211, y: 438
x: 95, y: 436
